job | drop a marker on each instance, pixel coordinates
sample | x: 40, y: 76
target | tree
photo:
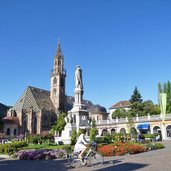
x: 149, y: 107
x: 136, y: 103
x: 130, y: 123
x: 73, y: 137
x: 79, y: 132
x: 130, y: 126
x: 136, y: 97
x: 93, y: 131
x: 159, y: 88
x: 142, y: 109
x: 166, y: 88
x: 168, y: 92
x: 120, y: 113
x: 60, y: 123
x: 137, y: 108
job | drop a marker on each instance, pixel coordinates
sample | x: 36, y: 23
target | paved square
x: 157, y: 160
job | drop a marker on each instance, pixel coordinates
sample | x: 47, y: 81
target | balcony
x: 147, y: 118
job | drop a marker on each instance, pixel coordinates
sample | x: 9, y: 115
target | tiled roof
x: 42, y: 98
x: 11, y: 120
x: 121, y: 104
x: 37, y: 99
x: 34, y: 98
x: 97, y: 108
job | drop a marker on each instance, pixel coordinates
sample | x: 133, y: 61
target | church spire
x: 58, y: 50
x: 58, y: 75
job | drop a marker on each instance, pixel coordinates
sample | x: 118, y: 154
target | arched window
x: 54, y: 92
x: 156, y: 129
x: 59, y: 62
x: 15, y: 132
x: 168, y: 130
x: 104, y: 132
x: 54, y: 81
x: 25, y: 124
x: 8, y: 131
x: 35, y: 124
x: 97, y: 132
x: 15, y: 114
x: 113, y: 130
x: 123, y: 131
x: 133, y: 133
x: 55, y: 62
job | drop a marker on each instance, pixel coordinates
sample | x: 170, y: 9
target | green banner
x: 162, y: 101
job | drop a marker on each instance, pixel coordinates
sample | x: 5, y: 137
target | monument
x: 78, y: 117
x: 79, y: 112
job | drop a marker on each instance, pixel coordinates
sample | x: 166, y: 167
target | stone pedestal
x: 81, y: 118
x: 78, y: 95
x: 66, y: 134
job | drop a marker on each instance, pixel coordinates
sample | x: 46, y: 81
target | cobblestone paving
x: 157, y: 160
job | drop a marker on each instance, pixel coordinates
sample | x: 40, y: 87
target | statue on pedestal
x: 78, y: 77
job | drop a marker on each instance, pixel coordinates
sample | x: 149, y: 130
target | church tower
x: 58, y: 75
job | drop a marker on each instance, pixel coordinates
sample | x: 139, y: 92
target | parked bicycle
x: 91, y: 158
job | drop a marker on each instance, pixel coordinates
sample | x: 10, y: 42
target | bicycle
x: 92, y: 157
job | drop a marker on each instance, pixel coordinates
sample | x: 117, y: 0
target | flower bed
x: 134, y: 149
x: 40, y: 154
x: 119, y: 149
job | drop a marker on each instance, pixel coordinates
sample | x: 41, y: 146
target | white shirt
x: 80, y: 145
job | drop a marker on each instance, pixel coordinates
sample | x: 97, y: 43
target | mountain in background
x: 3, y: 110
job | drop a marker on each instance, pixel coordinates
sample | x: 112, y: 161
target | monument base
x: 66, y: 134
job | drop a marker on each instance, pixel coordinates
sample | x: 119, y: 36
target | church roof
x: 38, y: 99
x: 58, y: 50
x: 42, y: 98
x: 35, y: 98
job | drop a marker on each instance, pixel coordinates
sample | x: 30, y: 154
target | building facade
x: 125, y: 104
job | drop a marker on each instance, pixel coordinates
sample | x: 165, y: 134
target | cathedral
x: 37, y: 109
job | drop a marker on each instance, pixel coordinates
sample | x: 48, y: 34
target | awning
x: 143, y: 126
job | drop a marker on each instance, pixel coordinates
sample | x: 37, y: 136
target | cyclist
x: 81, y: 145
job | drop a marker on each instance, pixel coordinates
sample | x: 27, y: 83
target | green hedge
x: 159, y: 146
x: 11, y: 148
x: 154, y: 146
x: 151, y: 136
x: 40, y: 138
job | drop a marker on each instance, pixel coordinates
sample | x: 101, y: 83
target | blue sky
x: 119, y: 44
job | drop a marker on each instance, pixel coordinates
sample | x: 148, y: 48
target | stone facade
x: 125, y: 104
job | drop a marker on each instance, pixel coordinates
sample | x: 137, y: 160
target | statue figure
x: 70, y: 119
x: 78, y: 77
x: 66, y: 119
